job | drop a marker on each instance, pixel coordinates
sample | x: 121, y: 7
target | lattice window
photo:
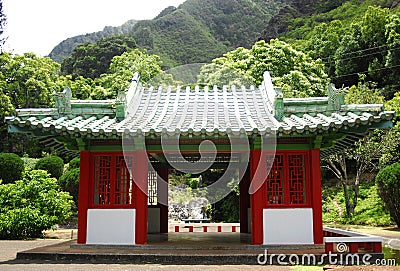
x: 286, y: 181
x: 275, y: 181
x: 102, y: 180
x: 152, y: 188
x: 124, y: 182
x: 113, y: 183
x: 297, y: 179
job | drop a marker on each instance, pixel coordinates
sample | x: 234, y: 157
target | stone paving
x: 9, y: 249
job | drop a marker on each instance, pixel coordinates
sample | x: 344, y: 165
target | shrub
x: 54, y: 165
x: 74, y: 163
x: 32, y: 205
x: 388, y: 180
x: 11, y: 167
x: 69, y: 182
x: 29, y: 163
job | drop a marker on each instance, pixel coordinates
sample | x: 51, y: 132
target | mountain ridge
x: 218, y: 25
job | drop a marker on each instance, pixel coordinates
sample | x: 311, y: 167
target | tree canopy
x: 28, y: 80
x: 90, y: 60
x: 297, y: 73
x: 3, y: 21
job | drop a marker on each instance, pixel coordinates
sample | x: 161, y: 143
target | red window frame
x: 288, y: 182
x: 111, y: 184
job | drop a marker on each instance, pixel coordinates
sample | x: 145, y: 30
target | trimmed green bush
x: 74, y: 163
x: 69, y: 182
x: 32, y: 205
x: 54, y: 165
x: 11, y: 167
x: 388, y: 180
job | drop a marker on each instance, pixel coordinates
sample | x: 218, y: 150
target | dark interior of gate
x: 232, y: 166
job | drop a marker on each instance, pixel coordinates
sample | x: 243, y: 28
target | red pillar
x: 83, y: 199
x: 140, y: 171
x: 316, y: 195
x: 244, y: 201
x: 162, y: 195
x: 257, y: 202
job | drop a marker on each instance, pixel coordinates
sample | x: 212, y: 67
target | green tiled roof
x: 206, y: 111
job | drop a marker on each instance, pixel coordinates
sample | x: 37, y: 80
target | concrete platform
x: 179, y: 248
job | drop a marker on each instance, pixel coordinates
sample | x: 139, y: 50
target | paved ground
x: 9, y: 249
x: 391, y: 235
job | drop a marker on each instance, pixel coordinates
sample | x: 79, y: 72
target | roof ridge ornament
x: 335, y: 97
x: 125, y: 98
x: 274, y: 97
x: 62, y: 101
x: 133, y: 88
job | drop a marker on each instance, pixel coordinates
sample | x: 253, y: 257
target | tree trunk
x: 349, y: 207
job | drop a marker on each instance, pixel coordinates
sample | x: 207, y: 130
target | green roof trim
x: 208, y: 112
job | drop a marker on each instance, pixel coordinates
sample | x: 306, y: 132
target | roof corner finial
x: 278, y: 105
x: 274, y: 96
x: 335, y: 97
x: 133, y: 87
x: 62, y: 100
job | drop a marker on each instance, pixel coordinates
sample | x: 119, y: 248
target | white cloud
x: 39, y: 25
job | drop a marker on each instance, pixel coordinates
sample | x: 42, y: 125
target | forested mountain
x: 293, y: 12
x: 65, y: 48
x: 299, y: 17
x: 181, y: 35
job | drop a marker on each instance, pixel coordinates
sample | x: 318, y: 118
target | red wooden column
x: 139, y: 174
x: 83, y: 199
x: 257, y: 202
x: 316, y: 195
x: 162, y: 195
x: 244, y: 201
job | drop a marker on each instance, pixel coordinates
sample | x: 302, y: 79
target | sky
x: 39, y: 25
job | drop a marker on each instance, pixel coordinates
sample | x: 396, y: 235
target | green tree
x: 6, y: 109
x: 323, y: 41
x: 3, y: 21
x: 294, y: 71
x: 349, y: 58
x: 371, y: 47
x: 32, y: 205
x: 364, y: 93
x: 121, y: 72
x: 364, y: 156
x: 373, y: 26
x: 388, y: 180
x: 367, y: 155
x: 90, y: 60
x: 28, y: 80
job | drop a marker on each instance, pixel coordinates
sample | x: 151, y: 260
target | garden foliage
x: 388, y: 181
x: 32, y: 205
x: 11, y: 167
x: 54, y: 165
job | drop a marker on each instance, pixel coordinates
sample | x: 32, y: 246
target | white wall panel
x: 288, y: 226
x: 111, y: 226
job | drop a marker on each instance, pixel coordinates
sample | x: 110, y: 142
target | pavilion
x: 126, y: 147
